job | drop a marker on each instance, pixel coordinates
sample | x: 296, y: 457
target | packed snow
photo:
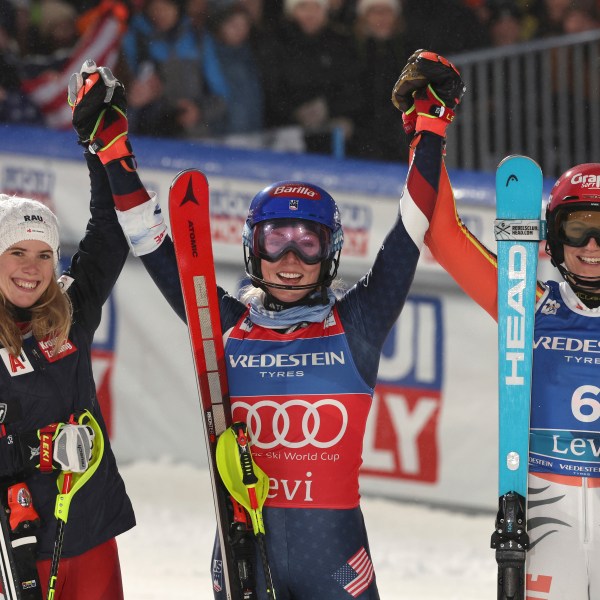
x: 418, y: 551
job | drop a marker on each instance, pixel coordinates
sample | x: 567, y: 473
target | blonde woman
x: 46, y: 330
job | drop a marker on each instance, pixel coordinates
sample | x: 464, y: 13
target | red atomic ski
x: 190, y: 226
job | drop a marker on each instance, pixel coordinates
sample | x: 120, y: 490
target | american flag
x: 101, y: 42
x: 357, y: 574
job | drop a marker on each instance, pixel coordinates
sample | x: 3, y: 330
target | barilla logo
x: 296, y: 190
x: 586, y: 181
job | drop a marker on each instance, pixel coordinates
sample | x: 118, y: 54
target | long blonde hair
x: 51, y: 318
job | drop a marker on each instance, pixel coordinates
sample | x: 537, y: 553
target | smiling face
x: 580, y: 234
x: 584, y: 261
x: 289, y: 270
x: 26, y: 270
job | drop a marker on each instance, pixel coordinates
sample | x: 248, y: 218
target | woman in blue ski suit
x: 302, y: 362
x: 564, y: 442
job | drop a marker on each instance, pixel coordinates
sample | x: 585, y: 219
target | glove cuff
x: 117, y: 149
x: 143, y: 226
x: 436, y: 120
x: 409, y: 120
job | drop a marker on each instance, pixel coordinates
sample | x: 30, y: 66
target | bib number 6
x: 585, y: 404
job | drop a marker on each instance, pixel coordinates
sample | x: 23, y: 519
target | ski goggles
x: 309, y: 241
x: 578, y: 227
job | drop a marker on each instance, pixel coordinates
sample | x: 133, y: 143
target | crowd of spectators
x: 291, y: 74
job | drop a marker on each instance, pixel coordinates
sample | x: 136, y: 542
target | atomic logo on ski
x: 510, y: 178
x: 189, y: 194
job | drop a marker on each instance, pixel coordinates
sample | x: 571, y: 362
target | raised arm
x: 99, y: 117
x: 103, y: 249
x: 427, y: 92
x: 471, y: 264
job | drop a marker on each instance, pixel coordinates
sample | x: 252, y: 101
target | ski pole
x: 68, y: 484
x: 58, y: 540
x: 247, y: 483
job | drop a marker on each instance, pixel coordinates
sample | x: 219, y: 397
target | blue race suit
x: 310, y: 390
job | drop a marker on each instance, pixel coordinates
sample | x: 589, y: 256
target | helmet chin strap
x: 580, y: 283
x: 275, y: 304
x: 261, y: 283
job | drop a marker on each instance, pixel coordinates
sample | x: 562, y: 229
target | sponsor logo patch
x: 47, y: 347
x: 302, y: 191
x: 16, y: 365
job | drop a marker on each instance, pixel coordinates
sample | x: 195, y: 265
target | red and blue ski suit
x: 563, y: 509
x: 306, y: 396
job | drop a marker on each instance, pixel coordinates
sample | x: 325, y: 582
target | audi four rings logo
x: 282, y: 418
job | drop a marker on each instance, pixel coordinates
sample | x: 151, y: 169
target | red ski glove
x: 99, y: 106
x: 427, y: 92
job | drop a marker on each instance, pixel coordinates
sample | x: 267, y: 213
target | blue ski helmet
x: 297, y: 201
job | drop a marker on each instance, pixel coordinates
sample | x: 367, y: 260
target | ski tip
x: 513, y: 159
x: 186, y: 175
x: 518, y: 170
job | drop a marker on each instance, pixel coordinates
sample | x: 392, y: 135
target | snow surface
x: 418, y: 552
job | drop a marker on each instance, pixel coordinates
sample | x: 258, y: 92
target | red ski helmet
x: 575, y: 190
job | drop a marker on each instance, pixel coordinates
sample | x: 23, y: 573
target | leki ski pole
x: 68, y: 484
x: 247, y: 483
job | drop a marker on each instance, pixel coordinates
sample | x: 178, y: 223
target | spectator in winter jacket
x: 175, y: 88
x: 310, y: 75
x: 15, y: 106
x: 382, y: 52
x: 235, y: 56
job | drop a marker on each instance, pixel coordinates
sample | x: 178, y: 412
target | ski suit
x: 45, y: 389
x: 306, y: 394
x: 563, y: 515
